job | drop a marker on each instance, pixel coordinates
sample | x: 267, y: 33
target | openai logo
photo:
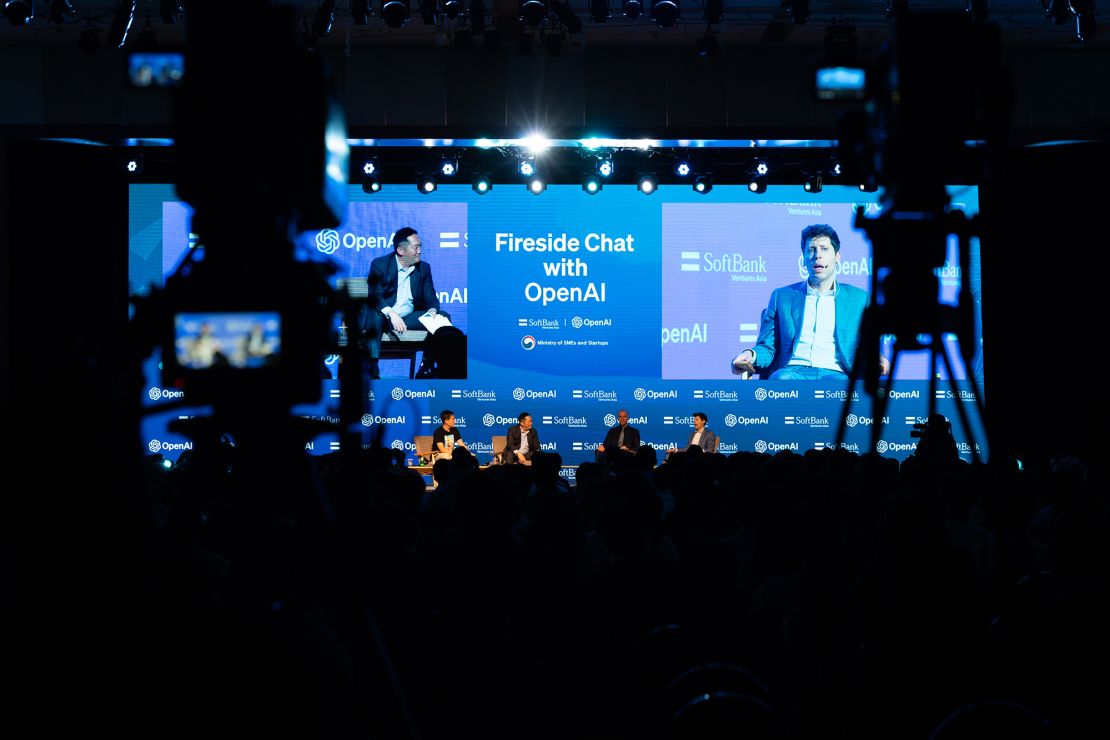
x: 331, y: 359
x: 576, y: 322
x: 327, y: 241
x: 761, y: 394
x: 610, y: 420
x: 730, y: 420
x: 397, y: 394
x: 488, y: 420
x: 367, y: 420
x: 760, y: 446
x: 802, y: 270
x: 398, y: 444
x: 639, y: 394
x: 852, y: 420
x: 529, y: 342
x: 881, y: 446
x: 518, y: 394
x: 154, y: 393
x: 154, y: 445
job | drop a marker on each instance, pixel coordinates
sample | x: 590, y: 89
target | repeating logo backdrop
x: 542, y: 340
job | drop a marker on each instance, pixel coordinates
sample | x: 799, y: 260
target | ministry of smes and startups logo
x: 398, y: 394
x: 518, y: 394
x: 327, y: 241
x: 528, y: 342
x: 576, y: 322
x: 881, y: 446
x: 730, y: 420
x: 639, y: 394
x: 488, y: 420
x: 760, y: 446
x: 610, y: 420
x: 761, y: 394
x: 154, y: 445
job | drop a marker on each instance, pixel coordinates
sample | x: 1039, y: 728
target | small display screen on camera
x: 238, y: 339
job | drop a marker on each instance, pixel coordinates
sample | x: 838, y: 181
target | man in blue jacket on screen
x: 810, y: 330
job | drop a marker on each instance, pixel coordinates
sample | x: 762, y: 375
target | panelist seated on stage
x: 701, y: 437
x: 620, y: 440
x: 810, y: 330
x: 447, y: 436
x: 399, y: 291
x: 521, y: 442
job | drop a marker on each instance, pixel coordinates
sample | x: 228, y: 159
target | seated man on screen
x: 701, y: 436
x: 447, y: 436
x: 620, y: 440
x: 521, y: 441
x: 400, y: 291
x: 810, y: 330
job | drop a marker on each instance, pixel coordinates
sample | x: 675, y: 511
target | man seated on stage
x: 400, y: 291
x: 700, y: 437
x: 447, y: 436
x: 620, y: 440
x: 521, y: 441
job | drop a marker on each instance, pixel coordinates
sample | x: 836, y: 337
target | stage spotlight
x: 371, y: 184
x: 566, y: 16
x: 758, y: 185
x: 761, y: 168
x: 60, y: 9
x: 537, y: 185
x: 812, y: 184
x: 121, y: 23
x: 427, y: 185
x: 532, y: 12
x: 682, y: 169
x: 449, y: 167
x: 605, y: 166
x: 665, y: 13
x: 325, y: 16
x: 19, y: 12
x: 703, y: 184
x: 526, y: 166
x: 481, y: 185
x: 452, y: 8
x: 592, y: 184
x: 395, y: 13
x: 647, y: 185
x: 360, y: 12
x: 714, y: 11
x: 632, y: 9
x: 478, y: 17
x: 599, y: 11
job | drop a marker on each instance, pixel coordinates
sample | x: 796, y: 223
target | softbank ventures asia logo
x: 474, y: 394
x: 329, y: 241
x: 434, y: 420
x: 739, y: 268
x: 814, y: 422
x: 586, y: 394
x: 578, y: 422
x: 717, y: 395
x: 835, y: 395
